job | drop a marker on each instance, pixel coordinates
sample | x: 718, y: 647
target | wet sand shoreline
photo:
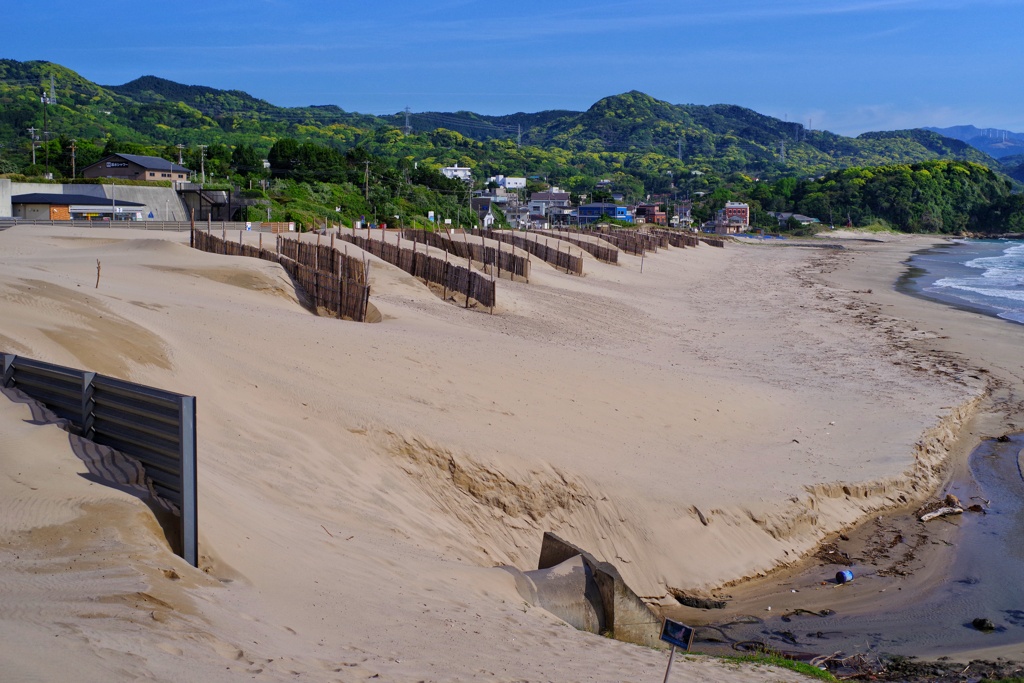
x: 915, y: 590
x: 898, y: 562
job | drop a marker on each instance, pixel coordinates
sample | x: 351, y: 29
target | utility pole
x: 519, y: 135
x: 46, y: 151
x: 73, y: 158
x: 180, y: 148
x: 679, y: 152
x: 366, y: 183
x: 51, y: 99
x: 34, y: 137
x: 202, y: 162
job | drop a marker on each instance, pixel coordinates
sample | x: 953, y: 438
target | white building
x: 508, y: 183
x: 463, y: 173
x: 542, y: 202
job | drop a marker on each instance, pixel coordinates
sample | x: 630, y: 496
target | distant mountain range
x: 995, y: 142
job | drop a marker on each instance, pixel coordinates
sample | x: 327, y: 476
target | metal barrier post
x: 8, y: 375
x: 189, y: 493
x: 86, y: 419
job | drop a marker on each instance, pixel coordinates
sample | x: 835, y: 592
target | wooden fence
x: 333, y: 281
x: 630, y: 241
x: 473, y: 284
x: 678, y: 239
x: 564, y: 260
x: 651, y: 241
x: 504, y: 263
x: 601, y: 253
x: 713, y: 242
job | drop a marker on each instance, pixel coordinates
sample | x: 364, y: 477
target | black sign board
x: 677, y: 634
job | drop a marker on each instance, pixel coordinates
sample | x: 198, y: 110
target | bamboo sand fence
x: 472, y: 284
x: 648, y: 240
x: 677, y: 238
x: 594, y: 245
x: 563, y: 260
x: 710, y: 241
x: 504, y: 262
x: 332, y: 281
x: 629, y: 242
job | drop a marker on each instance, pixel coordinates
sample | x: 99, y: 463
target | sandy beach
x: 702, y: 423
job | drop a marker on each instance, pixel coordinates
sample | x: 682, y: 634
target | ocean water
x: 981, y: 275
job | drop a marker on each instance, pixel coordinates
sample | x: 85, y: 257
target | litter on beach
x: 941, y: 512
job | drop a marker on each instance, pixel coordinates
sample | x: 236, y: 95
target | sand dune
x: 360, y: 482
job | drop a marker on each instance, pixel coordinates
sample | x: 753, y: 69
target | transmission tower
x: 408, y: 125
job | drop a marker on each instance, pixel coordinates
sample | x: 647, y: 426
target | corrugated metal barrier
x: 156, y: 427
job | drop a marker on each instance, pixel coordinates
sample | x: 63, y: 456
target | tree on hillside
x: 247, y: 162
x: 283, y: 157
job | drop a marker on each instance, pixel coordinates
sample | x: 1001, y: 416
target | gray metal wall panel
x: 156, y: 427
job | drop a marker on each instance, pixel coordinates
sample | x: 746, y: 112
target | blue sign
x: 674, y: 633
x: 150, y: 214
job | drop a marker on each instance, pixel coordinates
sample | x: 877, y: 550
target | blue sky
x: 845, y: 65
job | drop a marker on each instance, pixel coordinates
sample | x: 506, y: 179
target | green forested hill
x: 718, y: 138
x: 631, y: 134
x: 1013, y: 166
x: 643, y: 145
x: 940, y: 196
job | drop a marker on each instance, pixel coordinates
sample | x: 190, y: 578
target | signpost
x: 676, y: 635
